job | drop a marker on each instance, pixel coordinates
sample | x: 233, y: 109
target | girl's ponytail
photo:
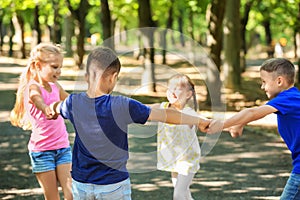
x: 17, y: 115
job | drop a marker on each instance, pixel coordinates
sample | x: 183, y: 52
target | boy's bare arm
x: 242, y: 118
x: 248, y: 115
x: 173, y: 116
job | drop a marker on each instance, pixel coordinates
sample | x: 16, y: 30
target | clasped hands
x: 50, y: 111
x: 212, y: 126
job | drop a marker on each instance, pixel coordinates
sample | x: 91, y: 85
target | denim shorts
x: 44, y: 161
x: 88, y: 191
x: 292, y: 188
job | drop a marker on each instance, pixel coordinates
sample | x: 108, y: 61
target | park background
x: 220, y: 44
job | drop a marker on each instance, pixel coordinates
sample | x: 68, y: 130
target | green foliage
x: 281, y: 13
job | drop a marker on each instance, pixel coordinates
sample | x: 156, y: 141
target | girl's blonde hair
x: 38, y: 53
x: 184, y: 80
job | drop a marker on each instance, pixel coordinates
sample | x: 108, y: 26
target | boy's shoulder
x: 293, y: 91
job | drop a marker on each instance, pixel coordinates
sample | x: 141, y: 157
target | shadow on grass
x: 255, y: 166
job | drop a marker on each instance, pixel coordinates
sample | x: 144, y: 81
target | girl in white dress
x: 178, y: 146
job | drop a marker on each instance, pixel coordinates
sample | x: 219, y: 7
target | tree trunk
x: 232, y: 70
x: 79, y: 15
x: 22, y: 24
x: 11, y: 34
x: 37, y: 26
x: 106, y: 22
x: 1, y: 34
x: 164, y: 33
x: 180, y: 27
x: 215, y: 39
x: 147, y: 34
x: 270, y: 45
x: 80, y: 44
x: 56, y: 31
x: 191, y: 24
x: 244, y: 22
x: 68, y: 32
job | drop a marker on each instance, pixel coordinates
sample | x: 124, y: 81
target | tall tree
x: 147, y: 28
x: 56, y: 30
x: 79, y: 14
x: 169, y: 25
x: 244, y: 20
x: 21, y: 22
x: 37, y: 27
x: 1, y: 29
x: 231, y: 66
x: 215, y: 38
x: 11, y: 34
x: 68, y: 32
x: 106, y: 24
x: 180, y: 26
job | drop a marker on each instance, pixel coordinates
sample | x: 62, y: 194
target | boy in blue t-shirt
x: 278, y: 76
x: 100, y: 150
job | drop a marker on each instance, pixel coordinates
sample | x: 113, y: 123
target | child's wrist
x: 53, y: 107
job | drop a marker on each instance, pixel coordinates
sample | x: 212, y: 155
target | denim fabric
x: 292, y: 188
x: 48, y: 160
x: 88, y: 191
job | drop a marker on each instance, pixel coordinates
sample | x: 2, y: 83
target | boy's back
x: 100, y: 149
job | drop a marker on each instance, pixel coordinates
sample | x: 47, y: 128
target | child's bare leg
x: 48, y: 182
x: 63, y: 172
x: 174, y: 178
x: 182, y: 188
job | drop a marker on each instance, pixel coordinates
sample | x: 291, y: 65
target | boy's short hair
x: 104, y: 59
x: 280, y: 67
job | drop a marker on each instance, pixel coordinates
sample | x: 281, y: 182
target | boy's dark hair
x: 281, y: 67
x: 103, y: 58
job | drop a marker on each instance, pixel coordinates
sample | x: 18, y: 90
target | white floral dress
x: 178, y: 148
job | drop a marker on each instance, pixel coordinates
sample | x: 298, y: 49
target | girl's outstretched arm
x: 35, y: 97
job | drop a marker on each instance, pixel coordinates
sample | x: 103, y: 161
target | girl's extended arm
x: 36, y: 98
x: 173, y: 116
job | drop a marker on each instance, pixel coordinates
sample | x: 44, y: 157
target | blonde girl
x: 49, y: 147
x: 178, y: 146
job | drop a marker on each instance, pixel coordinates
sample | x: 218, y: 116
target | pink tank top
x: 46, y: 134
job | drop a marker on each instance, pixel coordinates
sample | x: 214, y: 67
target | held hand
x: 50, y: 113
x: 236, y: 131
x: 204, y: 124
x: 215, y: 126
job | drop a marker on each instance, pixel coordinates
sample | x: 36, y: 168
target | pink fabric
x: 46, y: 134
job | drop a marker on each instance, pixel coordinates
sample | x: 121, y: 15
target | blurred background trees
x: 227, y: 29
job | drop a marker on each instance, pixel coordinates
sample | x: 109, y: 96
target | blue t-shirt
x: 100, y: 150
x: 288, y: 118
